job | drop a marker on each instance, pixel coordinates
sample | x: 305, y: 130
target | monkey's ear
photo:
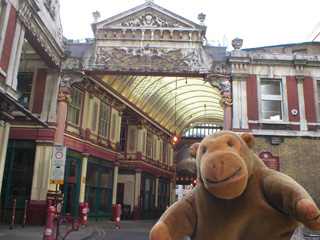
x: 193, y: 149
x: 248, y: 138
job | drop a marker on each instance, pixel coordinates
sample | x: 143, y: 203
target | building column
x: 15, y: 56
x: 172, y: 193
x: 302, y: 108
x: 40, y: 183
x: 114, y: 191
x: 226, y: 103
x: 156, y: 205
x: 136, y: 214
x: 6, y: 13
x: 63, y: 101
x: 83, y: 183
x: 4, y: 136
x: 49, y: 107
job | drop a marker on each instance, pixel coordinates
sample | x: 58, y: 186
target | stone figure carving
x: 51, y: 6
x: 221, y: 82
x: 150, y: 20
x: 120, y: 58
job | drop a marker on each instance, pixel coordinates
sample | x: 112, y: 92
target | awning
x: 25, y: 111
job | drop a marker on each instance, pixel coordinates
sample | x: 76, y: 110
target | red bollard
x: 85, y: 212
x: 13, y: 213
x: 118, y: 216
x: 49, y: 230
x: 25, y: 214
x: 167, y: 207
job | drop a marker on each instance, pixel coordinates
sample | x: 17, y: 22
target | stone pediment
x: 148, y: 15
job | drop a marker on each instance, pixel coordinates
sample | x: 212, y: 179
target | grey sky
x: 258, y: 23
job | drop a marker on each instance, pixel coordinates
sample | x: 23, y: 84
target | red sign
x: 270, y: 161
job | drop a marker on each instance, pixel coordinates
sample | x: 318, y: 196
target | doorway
x: 71, y: 187
x: 17, y: 179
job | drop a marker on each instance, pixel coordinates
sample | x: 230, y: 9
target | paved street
x: 129, y: 230
x: 132, y: 230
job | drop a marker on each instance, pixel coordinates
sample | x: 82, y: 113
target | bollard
x: 167, y: 207
x: 118, y: 216
x: 49, y: 230
x: 13, y: 213
x: 25, y: 214
x: 85, y: 212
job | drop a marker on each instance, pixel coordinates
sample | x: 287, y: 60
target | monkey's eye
x: 204, y: 149
x: 230, y: 144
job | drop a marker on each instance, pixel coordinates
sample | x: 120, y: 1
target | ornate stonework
x: 64, y: 97
x: 29, y: 18
x: 225, y: 102
x: 221, y: 82
x: 51, y: 6
x: 149, y: 58
x: 149, y: 20
x: 69, y: 78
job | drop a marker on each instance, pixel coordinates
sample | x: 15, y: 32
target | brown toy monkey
x: 237, y: 197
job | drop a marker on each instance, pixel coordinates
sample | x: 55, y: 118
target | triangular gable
x: 148, y: 15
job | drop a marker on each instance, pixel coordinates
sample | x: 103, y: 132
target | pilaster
x: 63, y: 101
x: 83, y: 177
x: 114, y: 191
x: 15, y: 55
x: 41, y: 171
x: 4, y: 136
x: 240, y: 104
x: 136, y: 214
x: 49, y: 107
x: 302, y: 108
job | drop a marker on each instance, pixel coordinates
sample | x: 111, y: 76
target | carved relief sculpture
x: 123, y: 58
x: 149, y: 20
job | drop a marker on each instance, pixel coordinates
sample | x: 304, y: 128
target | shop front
x: 17, y: 179
x: 98, y: 191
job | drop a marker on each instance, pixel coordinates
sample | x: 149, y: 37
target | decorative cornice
x: 239, y: 77
x: 29, y: 19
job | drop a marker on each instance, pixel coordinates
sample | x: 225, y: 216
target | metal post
x: 25, y: 214
x: 13, y: 213
x: 49, y: 230
x: 118, y: 216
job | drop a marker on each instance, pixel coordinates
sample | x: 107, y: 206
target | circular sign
x: 47, y: 231
x: 59, y: 205
x: 85, y: 210
x: 59, y: 155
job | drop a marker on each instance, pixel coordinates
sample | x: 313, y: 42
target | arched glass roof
x: 176, y: 103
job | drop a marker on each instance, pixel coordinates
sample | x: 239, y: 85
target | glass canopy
x: 176, y: 103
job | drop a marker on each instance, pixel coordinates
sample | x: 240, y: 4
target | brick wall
x: 299, y: 158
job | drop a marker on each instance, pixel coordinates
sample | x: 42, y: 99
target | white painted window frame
x: 71, y: 105
x: 104, y: 121
x: 284, y: 103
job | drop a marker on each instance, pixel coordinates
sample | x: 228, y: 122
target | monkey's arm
x: 177, y: 222
x: 290, y: 198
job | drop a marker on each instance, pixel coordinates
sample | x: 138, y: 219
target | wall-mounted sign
x: 270, y: 161
x: 58, y: 164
